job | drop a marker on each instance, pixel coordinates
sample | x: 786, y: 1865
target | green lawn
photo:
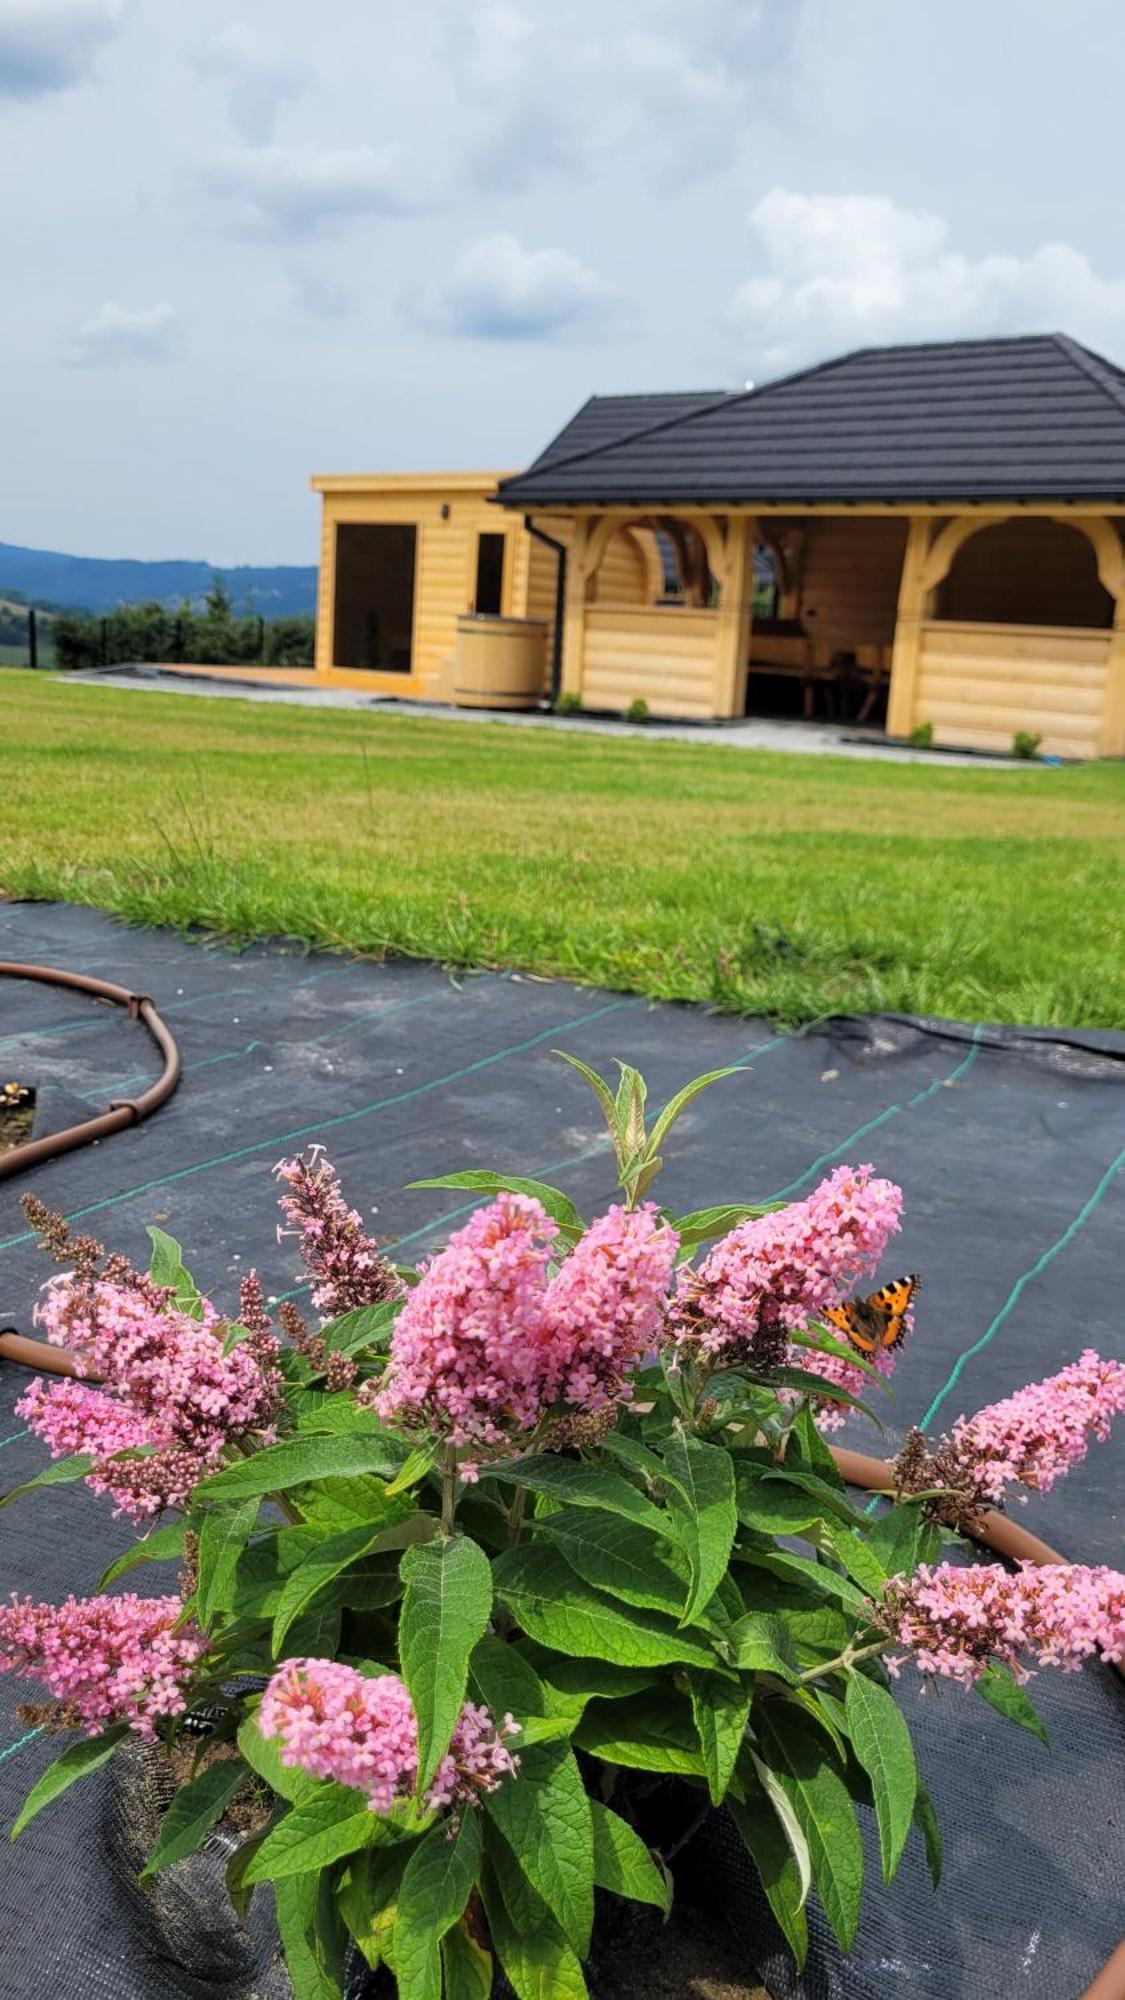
x: 785, y: 885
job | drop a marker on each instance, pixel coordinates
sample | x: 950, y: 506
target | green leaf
x: 506, y: 1682
x: 568, y: 1684
x: 166, y: 1267
x: 759, y: 1643
x: 590, y: 1487
x: 325, y: 1413
x: 811, y: 1448
x: 439, y: 1878
x: 194, y: 1811
x: 445, y: 1609
x: 77, y: 1761
x: 366, y: 1329
x: 702, y: 1225
x: 598, y: 1085
x: 772, y: 1855
x: 242, y: 1894
x: 829, y: 1500
x: 636, y: 1456
x: 703, y: 1508
x: 60, y: 1472
x: 544, y: 1815
x: 824, y: 1581
x: 162, y: 1545
x: 810, y: 1776
x: 678, y: 1104
x: 853, y: 1552
x: 297, y: 1460
x: 368, y: 1897
x: 772, y: 1510
x: 881, y: 1741
x: 622, y: 1862
x: 312, y: 1936
x: 554, y: 1606
x: 324, y: 1825
x: 645, y: 1732
x: 533, y: 1950
x: 894, y: 1538
x: 817, y: 1386
x: 222, y: 1538
x: 414, y: 1471
x: 625, y: 1561
x: 721, y: 1709
x: 1007, y: 1697
x: 263, y: 1754
x: 925, y: 1819
x: 335, y: 1555
x: 466, y: 1964
x: 558, y: 1205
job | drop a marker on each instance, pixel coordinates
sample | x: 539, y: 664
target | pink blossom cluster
x: 488, y: 1343
x: 1036, y: 1435
x: 959, y: 1621
x: 335, y: 1723
x: 109, y: 1659
x: 169, y: 1387
x: 769, y: 1277
x: 346, y: 1265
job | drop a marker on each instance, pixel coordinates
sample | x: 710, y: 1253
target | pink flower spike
x: 956, y: 1622
x: 109, y: 1659
x: 336, y: 1723
x: 347, y: 1267
x: 1034, y: 1436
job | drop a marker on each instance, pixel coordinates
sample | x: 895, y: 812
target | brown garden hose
x: 123, y: 1111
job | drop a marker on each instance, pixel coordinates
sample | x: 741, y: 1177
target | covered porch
x: 980, y: 622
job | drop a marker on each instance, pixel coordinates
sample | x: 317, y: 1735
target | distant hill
x: 95, y: 583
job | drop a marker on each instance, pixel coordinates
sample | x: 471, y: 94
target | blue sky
x: 247, y: 243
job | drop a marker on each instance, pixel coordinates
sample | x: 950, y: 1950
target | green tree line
x: 213, y: 636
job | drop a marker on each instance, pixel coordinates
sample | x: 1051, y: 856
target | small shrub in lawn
x: 568, y: 703
x: 921, y: 736
x: 638, y: 710
x: 507, y: 1540
x: 1025, y: 743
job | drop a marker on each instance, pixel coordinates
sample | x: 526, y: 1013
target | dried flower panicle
x: 110, y: 1659
x: 346, y: 1266
x: 334, y: 1722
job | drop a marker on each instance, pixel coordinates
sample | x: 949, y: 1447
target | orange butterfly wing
x: 877, y: 1321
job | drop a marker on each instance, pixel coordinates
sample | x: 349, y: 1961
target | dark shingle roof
x: 1033, y: 417
x: 606, y: 420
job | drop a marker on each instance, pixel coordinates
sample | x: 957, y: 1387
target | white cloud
x: 256, y: 78
x: 840, y: 271
x: 497, y: 290
x: 300, y: 190
x: 122, y: 333
x: 568, y: 91
x: 47, y: 44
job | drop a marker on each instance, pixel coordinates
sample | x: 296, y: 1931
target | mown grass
x: 783, y: 885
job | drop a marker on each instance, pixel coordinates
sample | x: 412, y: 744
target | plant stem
x: 516, y: 1514
x: 848, y: 1658
x: 449, y: 1491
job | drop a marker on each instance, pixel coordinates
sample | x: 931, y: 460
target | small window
x: 490, y: 575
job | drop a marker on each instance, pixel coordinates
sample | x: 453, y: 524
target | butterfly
x: 878, y: 1321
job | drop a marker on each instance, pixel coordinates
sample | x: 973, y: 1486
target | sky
x: 247, y: 243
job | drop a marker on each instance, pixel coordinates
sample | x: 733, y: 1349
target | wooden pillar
x: 912, y: 605
x: 732, y: 643
x: 326, y: 588
x: 1111, y: 730
x: 574, y: 617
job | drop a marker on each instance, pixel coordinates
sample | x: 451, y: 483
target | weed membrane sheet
x: 1011, y: 1148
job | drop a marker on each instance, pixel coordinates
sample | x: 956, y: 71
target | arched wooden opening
x: 655, y: 559
x: 1025, y: 572
x: 822, y: 648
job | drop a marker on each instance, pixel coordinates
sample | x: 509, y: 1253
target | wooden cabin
x: 917, y: 535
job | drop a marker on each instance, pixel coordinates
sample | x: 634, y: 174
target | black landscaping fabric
x: 1011, y: 1149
